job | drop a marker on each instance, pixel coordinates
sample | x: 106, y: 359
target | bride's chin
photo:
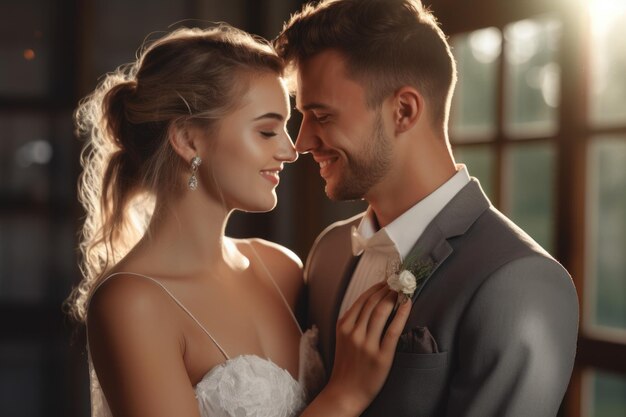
x: 260, y: 206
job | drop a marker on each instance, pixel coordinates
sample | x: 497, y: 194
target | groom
x: 493, y: 327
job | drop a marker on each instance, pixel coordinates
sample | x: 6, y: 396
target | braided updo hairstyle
x: 194, y: 76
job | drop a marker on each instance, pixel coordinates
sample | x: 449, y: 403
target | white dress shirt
x: 384, y: 249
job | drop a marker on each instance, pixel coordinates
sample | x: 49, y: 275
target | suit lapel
x: 329, y: 270
x: 341, y: 292
x: 431, y: 250
x: 433, y: 246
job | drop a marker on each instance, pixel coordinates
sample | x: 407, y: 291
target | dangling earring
x: 193, y: 181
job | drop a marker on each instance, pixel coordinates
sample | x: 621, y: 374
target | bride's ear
x: 182, y: 141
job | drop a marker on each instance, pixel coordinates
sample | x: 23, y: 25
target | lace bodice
x: 269, y: 390
x: 246, y: 385
x: 251, y: 386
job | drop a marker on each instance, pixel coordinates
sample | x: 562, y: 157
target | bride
x: 181, y: 319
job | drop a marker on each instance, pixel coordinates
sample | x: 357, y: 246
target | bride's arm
x: 137, y: 351
x: 363, y: 354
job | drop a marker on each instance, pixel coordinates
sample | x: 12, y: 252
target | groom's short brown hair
x: 386, y: 43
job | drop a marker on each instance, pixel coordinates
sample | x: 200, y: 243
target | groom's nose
x: 307, y: 139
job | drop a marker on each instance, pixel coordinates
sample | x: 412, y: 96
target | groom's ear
x: 408, y: 106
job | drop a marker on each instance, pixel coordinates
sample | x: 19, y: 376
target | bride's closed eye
x: 268, y: 134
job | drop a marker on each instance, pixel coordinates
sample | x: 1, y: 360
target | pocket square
x: 417, y: 340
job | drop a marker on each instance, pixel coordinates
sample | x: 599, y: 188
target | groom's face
x: 345, y: 137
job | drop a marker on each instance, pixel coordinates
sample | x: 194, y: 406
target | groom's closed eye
x: 321, y: 118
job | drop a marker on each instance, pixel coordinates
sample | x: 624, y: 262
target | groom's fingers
x: 347, y: 321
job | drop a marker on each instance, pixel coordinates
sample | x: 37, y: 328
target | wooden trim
x: 606, y: 131
x: 40, y: 321
x: 464, y: 16
x: 571, y: 406
x: 467, y: 142
x: 603, y: 354
x: 49, y: 105
x: 499, y: 140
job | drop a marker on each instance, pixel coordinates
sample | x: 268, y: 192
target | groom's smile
x: 326, y: 164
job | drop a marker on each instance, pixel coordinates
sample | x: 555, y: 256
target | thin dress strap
x: 267, y: 272
x: 185, y: 309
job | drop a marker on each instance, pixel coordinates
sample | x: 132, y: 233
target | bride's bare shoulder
x: 137, y: 348
x: 126, y: 302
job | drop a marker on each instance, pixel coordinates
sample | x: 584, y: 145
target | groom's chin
x: 339, y: 194
x: 331, y: 193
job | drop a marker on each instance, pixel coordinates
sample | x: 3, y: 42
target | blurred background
x: 539, y: 116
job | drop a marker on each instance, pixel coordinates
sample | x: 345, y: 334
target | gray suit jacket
x: 503, y: 314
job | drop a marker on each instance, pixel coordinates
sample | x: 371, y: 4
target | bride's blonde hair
x: 188, y: 76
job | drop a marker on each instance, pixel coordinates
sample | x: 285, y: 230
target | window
x: 512, y: 150
x: 539, y: 117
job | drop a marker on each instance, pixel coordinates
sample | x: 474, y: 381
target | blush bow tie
x: 379, y: 242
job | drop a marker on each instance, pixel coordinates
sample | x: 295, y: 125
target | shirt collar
x: 409, y: 226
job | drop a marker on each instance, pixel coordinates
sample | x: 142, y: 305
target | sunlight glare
x: 486, y: 44
x: 604, y: 13
x: 523, y: 38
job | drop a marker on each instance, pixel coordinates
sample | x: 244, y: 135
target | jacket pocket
x: 415, y: 386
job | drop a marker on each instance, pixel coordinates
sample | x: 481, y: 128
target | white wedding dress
x: 246, y: 385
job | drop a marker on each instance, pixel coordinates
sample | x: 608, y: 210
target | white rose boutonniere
x: 403, y: 282
x: 407, y: 277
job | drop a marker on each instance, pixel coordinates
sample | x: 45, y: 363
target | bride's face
x: 251, y: 147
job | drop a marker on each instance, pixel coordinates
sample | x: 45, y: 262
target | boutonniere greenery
x: 407, y: 276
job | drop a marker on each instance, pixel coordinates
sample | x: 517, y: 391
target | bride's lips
x: 272, y: 175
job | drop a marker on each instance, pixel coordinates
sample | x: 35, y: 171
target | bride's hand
x: 365, y: 349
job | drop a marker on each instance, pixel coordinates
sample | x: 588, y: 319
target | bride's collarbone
x: 241, y: 339
x: 249, y: 322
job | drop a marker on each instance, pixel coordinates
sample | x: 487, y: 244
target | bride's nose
x: 286, y: 152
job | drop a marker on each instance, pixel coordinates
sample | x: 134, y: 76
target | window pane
x: 25, y: 154
x: 24, y: 258
x: 528, y: 190
x: 21, y: 377
x: 608, y: 57
x: 64, y: 163
x: 473, y: 106
x: 606, y: 248
x: 532, y: 77
x: 62, y: 272
x: 115, y: 39
x: 480, y: 164
x: 605, y: 394
x: 25, y: 47
x: 38, y: 259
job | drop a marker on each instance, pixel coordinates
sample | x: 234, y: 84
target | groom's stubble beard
x: 365, y: 169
